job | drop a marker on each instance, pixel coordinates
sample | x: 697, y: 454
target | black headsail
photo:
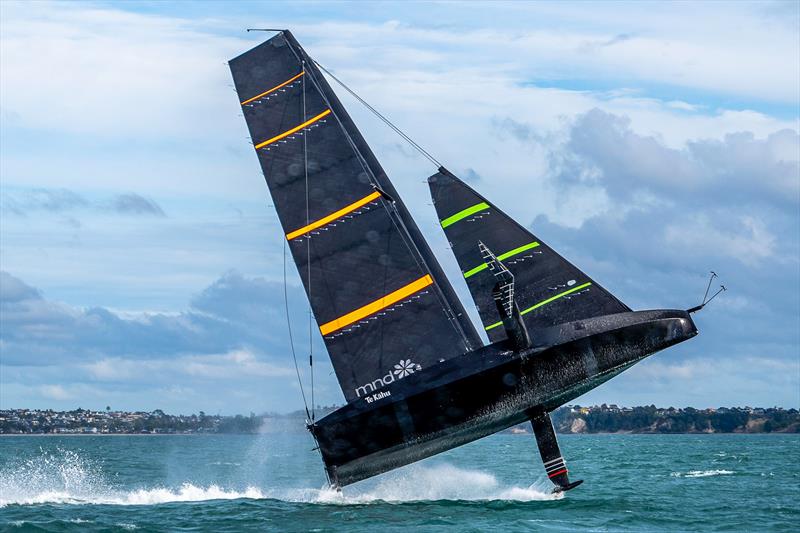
x: 380, y: 298
x: 548, y: 289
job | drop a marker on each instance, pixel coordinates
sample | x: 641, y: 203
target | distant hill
x: 651, y: 419
x: 568, y: 419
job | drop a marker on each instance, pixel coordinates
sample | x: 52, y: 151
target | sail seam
x: 464, y: 213
x: 265, y: 93
x: 379, y: 304
x: 544, y: 302
x: 483, y: 266
x: 333, y: 216
x: 293, y: 130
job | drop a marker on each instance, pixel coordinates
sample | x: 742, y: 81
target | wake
x: 431, y: 483
x: 703, y: 473
x: 64, y: 477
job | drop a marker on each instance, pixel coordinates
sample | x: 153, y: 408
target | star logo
x: 405, y: 368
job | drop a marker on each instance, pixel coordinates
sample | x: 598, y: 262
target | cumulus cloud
x: 55, y: 392
x: 603, y: 149
x: 14, y: 290
x: 232, y: 338
x: 747, y: 241
x: 234, y: 316
x: 236, y: 364
x: 94, y: 53
x: 672, y: 213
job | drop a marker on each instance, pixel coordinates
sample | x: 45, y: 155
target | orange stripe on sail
x: 377, y: 305
x: 333, y: 216
x: 293, y: 130
x: 265, y: 93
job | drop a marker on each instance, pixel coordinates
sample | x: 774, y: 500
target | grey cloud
x: 470, y: 176
x: 251, y: 302
x: 730, y: 205
x: 133, y: 204
x: 228, y: 350
x: 603, y: 149
x: 53, y: 200
x: 637, y: 258
x: 517, y: 130
x: 619, y: 38
x: 13, y: 290
x: 233, y: 313
x: 62, y: 200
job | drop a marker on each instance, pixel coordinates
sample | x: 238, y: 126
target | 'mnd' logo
x: 405, y: 367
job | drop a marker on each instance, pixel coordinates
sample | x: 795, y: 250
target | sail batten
x: 270, y: 91
x: 502, y: 257
x: 377, y: 306
x: 297, y: 128
x: 464, y: 213
x: 334, y: 216
x: 377, y: 292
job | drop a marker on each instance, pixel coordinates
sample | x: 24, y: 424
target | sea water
x: 274, y: 482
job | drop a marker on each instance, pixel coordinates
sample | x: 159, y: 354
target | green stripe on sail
x: 544, y: 302
x: 473, y: 271
x: 452, y: 219
x: 556, y: 297
x: 492, y: 326
x: 510, y: 253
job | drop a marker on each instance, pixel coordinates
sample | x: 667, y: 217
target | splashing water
x: 64, y: 477
x: 440, y: 482
x: 61, y: 475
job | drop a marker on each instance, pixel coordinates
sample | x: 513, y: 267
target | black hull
x: 486, y: 391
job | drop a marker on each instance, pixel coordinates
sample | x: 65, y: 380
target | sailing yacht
x: 416, y: 375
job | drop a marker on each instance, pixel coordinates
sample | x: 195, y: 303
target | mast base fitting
x: 567, y: 487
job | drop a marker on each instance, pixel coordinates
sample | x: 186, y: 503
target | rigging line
x: 308, y: 252
x: 713, y: 275
x: 396, y: 219
x: 291, y: 338
x: 368, y: 170
x: 721, y: 289
x: 381, y: 117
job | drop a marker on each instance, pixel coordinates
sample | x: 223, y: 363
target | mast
x: 380, y: 298
x: 450, y: 299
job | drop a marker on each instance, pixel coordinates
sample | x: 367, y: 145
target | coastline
x: 505, y: 432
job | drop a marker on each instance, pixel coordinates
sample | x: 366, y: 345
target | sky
x: 142, y: 260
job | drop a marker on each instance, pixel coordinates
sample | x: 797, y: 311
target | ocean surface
x: 274, y: 482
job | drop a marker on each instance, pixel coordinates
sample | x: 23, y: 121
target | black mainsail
x: 383, y: 305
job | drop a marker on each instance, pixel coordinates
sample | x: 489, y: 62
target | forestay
x: 380, y: 299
